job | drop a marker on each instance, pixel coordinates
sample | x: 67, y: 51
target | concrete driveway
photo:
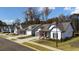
x: 26, y: 39
x: 6, y: 45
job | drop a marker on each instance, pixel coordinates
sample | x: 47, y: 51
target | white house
x: 37, y: 32
x: 6, y: 28
x: 18, y: 29
x: 1, y: 29
x: 60, y: 31
x: 31, y: 29
x: 43, y: 30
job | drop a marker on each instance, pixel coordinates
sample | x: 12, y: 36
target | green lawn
x: 3, y: 36
x: 12, y: 34
x: 36, y: 46
x: 13, y: 39
x: 65, y: 45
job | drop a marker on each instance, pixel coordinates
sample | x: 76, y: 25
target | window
x: 55, y: 35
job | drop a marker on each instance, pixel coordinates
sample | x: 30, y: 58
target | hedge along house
x: 60, y: 31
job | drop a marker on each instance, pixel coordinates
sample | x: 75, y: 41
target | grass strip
x: 13, y: 39
x: 36, y: 46
x: 61, y: 45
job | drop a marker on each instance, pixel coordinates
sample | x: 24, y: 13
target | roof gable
x: 62, y: 26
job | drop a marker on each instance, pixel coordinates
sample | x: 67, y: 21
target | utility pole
x: 57, y: 43
x: 56, y: 34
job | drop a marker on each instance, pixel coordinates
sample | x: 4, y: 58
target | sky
x: 10, y: 14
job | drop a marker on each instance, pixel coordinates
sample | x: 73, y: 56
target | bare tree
x: 33, y: 13
x: 46, y: 12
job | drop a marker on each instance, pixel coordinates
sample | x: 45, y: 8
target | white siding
x: 28, y: 32
x: 9, y: 29
x: 55, y: 30
x: 37, y: 32
x: 15, y: 31
x: 68, y: 33
x: 2, y: 30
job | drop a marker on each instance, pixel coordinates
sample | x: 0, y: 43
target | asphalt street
x: 6, y: 45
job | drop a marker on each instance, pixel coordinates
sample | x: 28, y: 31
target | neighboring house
x: 60, y: 31
x: 43, y: 30
x: 37, y: 32
x: 6, y: 28
x: 19, y: 30
x: 32, y: 29
x: 9, y: 28
x: 1, y: 29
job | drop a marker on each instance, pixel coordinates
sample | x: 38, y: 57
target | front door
x: 55, y: 35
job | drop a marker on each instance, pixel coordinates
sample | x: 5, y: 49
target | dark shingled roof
x: 45, y: 27
x: 31, y: 27
x: 63, y: 26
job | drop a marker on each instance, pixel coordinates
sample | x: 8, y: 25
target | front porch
x: 44, y: 34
